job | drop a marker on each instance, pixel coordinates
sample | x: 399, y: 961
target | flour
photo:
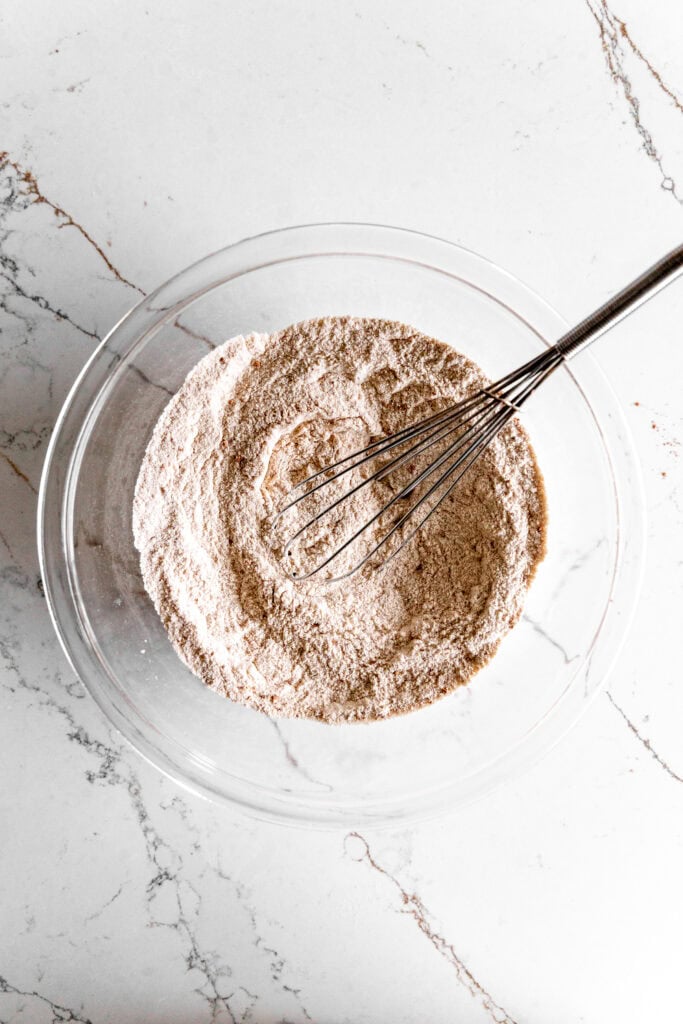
x: 251, y: 420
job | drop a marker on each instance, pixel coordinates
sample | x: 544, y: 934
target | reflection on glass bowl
x: 546, y: 670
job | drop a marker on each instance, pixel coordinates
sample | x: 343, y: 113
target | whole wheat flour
x: 251, y: 420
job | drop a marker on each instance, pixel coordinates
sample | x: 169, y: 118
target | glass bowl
x: 547, y: 669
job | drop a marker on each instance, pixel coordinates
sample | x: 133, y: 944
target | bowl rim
x: 169, y: 299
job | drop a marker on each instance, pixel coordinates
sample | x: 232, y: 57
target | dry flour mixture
x: 252, y: 419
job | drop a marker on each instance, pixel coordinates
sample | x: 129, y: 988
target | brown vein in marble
x: 4, y: 540
x: 645, y: 742
x: 413, y: 906
x: 653, y: 71
x: 30, y: 183
x: 33, y: 192
x: 612, y: 31
x: 15, y: 469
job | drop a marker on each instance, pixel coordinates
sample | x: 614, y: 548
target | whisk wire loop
x: 379, y: 474
x: 489, y: 415
x: 473, y: 423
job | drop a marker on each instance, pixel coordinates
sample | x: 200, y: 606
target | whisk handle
x: 623, y: 303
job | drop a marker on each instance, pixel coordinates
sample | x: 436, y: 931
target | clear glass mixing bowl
x: 546, y: 670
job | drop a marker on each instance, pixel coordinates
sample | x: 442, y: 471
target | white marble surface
x: 140, y: 136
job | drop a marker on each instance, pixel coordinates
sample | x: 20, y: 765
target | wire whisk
x: 456, y: 437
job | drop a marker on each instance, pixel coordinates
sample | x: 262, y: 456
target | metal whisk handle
x: 623, y: 303
x: 454, y: 437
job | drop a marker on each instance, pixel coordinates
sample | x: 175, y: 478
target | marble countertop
x: 138, y: 137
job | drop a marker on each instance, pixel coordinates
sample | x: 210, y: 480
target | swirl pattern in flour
x: 253, y: 418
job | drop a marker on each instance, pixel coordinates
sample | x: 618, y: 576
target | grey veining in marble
x: 136, y: 139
